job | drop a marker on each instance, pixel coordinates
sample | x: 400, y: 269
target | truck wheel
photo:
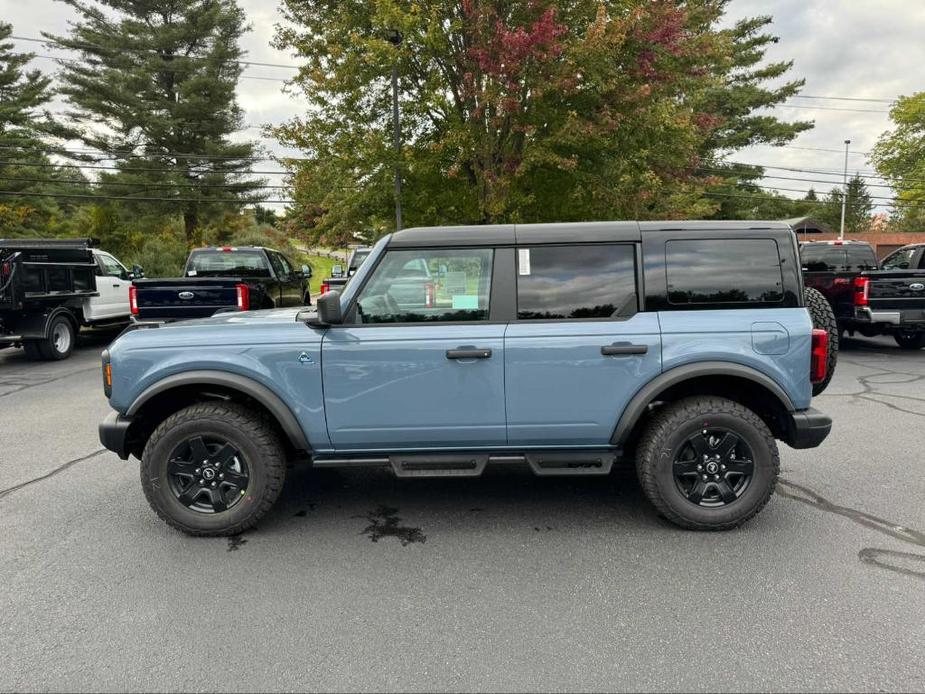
x: 914, y: 341
x: 213, y: 469
x: 60, y: 341
x: 820, y: 310
x: 707, y: 463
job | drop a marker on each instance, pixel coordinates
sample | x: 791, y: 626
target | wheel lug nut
x: 716, y: 477
x: 700, y: 467
x: 198, y: 470
x: 705, y: 478
x: 214, y: 483
x: 221, y: 476
x: 722, y: 467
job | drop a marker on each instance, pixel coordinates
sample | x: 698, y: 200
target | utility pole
x: 395, y: 37
x: 844, y: 197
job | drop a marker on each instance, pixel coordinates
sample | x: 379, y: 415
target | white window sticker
x: 523, y: 261
x: 465, y: 301
x: 191, y: 273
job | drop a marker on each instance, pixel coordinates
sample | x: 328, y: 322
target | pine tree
x: 27, y: 175
x: 858, y: 208
x: 154, y: 88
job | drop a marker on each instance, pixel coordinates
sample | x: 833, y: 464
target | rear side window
x: 562, y: 282
x: 824, y: 258
x: 728, y: 271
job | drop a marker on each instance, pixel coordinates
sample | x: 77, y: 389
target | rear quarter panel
x: 776, y: 342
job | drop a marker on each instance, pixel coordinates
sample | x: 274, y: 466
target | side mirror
x: 137, y: 272
x: 337, y: 271
x: 306, y: 271
x: 328, y: 306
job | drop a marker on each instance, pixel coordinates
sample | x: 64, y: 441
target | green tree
x: 154, y: 87
x: 858, y: 208
x: 900, y: 157
x: 568, y: 109
x: 27, y: 174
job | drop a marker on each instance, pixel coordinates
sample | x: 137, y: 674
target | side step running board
x: 542, y: 463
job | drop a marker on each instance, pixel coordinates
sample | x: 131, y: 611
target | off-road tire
x: 823, y: 317
x: 666, y: 434
x: 250, y: 432
x: 916, y: 341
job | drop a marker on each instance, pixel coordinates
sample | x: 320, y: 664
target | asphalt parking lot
x: 360, y: 581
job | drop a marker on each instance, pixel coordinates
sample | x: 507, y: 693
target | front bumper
x: 808, y: 428
x: 114, y: 434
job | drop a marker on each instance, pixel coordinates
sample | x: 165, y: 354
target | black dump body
x: 37, y: 272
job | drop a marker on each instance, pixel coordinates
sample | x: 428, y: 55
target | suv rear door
x: 578, y: 349
x: 421, y: 366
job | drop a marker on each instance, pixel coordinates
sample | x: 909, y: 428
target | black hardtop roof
x: 837, y: 242
x: 564, y: 232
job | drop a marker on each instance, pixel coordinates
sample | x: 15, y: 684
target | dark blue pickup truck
x: 223, y: 278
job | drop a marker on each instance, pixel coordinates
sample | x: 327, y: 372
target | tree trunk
x: 190, y: 222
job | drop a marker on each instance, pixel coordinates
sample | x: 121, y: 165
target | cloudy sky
x: 851, y: 49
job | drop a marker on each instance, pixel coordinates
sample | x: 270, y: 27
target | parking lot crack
x: 868, y: 555
x: 60, y: 468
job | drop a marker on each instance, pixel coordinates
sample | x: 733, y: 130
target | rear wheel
x: 907, y: 341
x: 820, y: 311
x: 707, y: 463
x: 213, y: 469
x: 62, y: 336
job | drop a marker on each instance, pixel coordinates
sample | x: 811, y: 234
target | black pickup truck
x: 339, y: 278
x: 868, y: 297
x: 224, y: 278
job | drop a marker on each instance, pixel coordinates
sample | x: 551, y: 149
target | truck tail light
x: 133, y: 299
x: 861, y: 291
x: 325, y: 288
x: 429, y: 295
x: 244, y: 297
x: 819, y: 364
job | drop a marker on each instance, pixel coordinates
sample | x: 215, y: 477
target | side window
x: 586, y: 281
x: 728, y: 271
x: 287, y: 266
x: 900, y: 260
x: 861, y: 258
x: 428, y: 286
x: 824, y: 258
x: 275, y: 262
x: 111, y: 267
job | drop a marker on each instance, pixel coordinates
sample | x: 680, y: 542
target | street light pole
x: 844, y: 197
x: 395, y: 38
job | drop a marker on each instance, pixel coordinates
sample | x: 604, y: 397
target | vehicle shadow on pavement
x: 507, y: 495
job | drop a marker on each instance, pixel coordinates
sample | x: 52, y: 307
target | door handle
x: 117, y: 285
x: 622, y: 349
x: 468, y: 353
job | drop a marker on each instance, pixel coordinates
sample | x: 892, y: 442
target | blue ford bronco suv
x: 684, y: 346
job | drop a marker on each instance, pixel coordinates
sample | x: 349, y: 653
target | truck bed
x: 184, y: 297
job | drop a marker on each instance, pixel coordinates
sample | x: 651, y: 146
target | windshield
x: 227, y: 264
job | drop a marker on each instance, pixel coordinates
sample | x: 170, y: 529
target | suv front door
x: 418, y: 366
x: 579, y: 350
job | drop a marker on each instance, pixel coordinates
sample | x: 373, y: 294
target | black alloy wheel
x: 207, y: 474
x: 713, y: 467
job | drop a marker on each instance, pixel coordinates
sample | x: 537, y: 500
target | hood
x: 264, y: 317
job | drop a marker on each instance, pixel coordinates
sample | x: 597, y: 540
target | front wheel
x: 213, y: 469
x: 707, y: 463
x: 913, y: 341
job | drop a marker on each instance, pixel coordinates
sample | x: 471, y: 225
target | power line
x: 144, y: 185
x: 125, y: 198
x: 131, y: 154
x: 132, y: 169
x: 57, y: 44
x: 843, y: 98
x: 792, y: 178
x: 826, y: 108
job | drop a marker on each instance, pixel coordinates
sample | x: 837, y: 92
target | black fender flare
x: 243, y: 384
x: 37, y: 326
x: 649, y: 392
